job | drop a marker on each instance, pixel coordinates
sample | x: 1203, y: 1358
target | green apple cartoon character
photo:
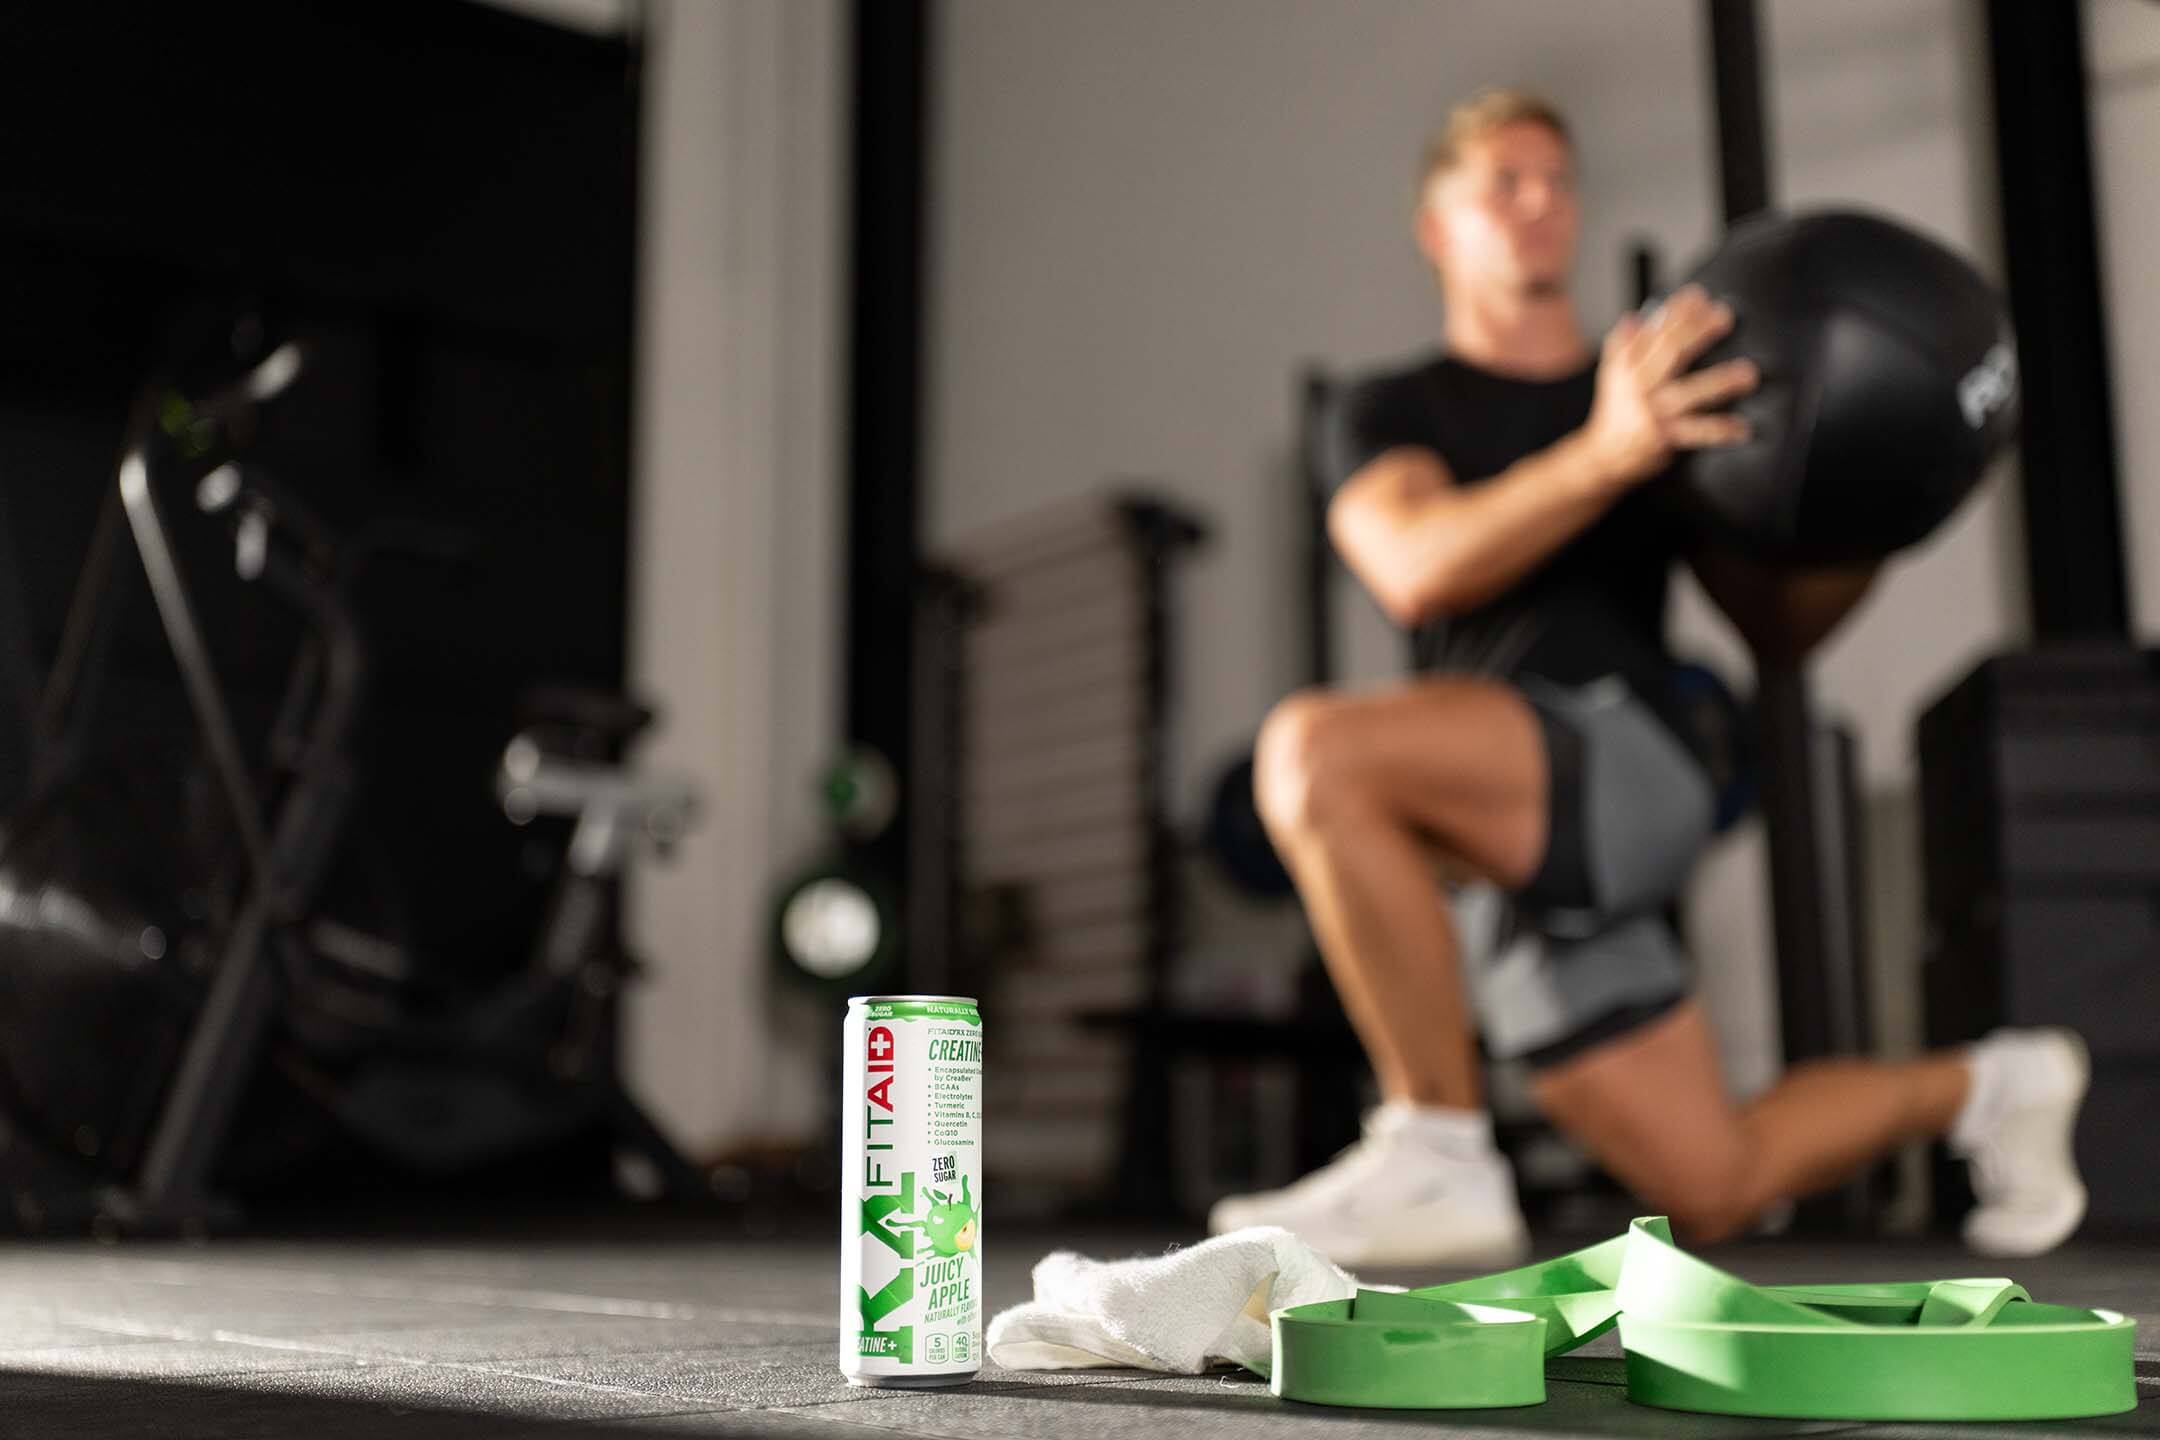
x: 950, y: 1225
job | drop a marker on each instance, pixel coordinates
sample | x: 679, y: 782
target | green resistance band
x: 1699, y: 1339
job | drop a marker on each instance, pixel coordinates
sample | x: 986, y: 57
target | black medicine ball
x: 1889, y: 382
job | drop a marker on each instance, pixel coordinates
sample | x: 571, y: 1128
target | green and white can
x: 911, y: 1251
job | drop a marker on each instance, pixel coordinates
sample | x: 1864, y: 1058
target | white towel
x: 1181, y: 1312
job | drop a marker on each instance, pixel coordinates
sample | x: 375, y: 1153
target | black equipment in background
x: 2040, y: 794
x: 836, y: 923
x: 1642, y: 271
x: 2075, y: 568
x: 1312, y: 477
x: 840, y: 924
x: 892, y: 74
x: 1237, y: 838
x: 1315, y: 1041
x: 949, y: 947
x: 442, y: 197
x: 1070, y: 864
x: 197, y: 918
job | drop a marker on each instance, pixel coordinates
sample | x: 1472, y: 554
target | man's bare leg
x: 1359, y: 792
x: 1653, y: 1108
x: 1362, y: 794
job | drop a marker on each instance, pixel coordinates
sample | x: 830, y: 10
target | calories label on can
x: 911, y: 1216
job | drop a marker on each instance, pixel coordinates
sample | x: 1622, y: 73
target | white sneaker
x: 1423, y: 1187
x: 2015, y: 1131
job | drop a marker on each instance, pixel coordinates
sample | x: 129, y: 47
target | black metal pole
x: 1644, y: 279
x: 2051, y: 250
x: 1315, y: 396
x: 1736, y: 71
x: 1814, y: 910
x: 1782, y: 704
x: 885, y: 361
x: 1147, y: 1182
x: 20, y: 674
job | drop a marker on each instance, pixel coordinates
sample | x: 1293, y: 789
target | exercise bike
x: 192, y: 998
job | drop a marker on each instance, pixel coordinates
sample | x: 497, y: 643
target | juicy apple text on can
x: 911, y: 1191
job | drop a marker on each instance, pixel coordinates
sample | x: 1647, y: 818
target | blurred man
x: 1492, y: 499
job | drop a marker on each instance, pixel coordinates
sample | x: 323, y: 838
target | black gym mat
x: 667, y: 1331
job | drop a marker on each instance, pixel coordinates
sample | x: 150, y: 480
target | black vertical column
x: 1782, y: 704
x: 1809, y: 799
x: 1743, y: 128
x: 21, y: 682
x: 1643, y: 277
x: 1316, y: 400
x: 2051, y: 249
x: 885, y: 363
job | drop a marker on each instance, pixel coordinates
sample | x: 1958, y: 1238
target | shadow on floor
x: 36, y: 1405
x: 337, y: 1405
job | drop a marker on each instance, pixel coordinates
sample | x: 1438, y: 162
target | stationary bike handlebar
x: 176, y: 442
x: 172, y: 438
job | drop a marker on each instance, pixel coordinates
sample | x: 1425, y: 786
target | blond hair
x: 1473, y: 119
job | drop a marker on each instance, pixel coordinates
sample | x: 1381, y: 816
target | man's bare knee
x: 1708, y: 1208
x: 1302, y: 774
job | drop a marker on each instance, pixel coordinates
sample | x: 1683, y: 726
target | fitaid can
x: 911, y: 1191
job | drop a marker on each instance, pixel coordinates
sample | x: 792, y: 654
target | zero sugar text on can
x: 911, y: 1191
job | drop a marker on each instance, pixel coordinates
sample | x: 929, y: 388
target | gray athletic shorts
x: 1585, y: 951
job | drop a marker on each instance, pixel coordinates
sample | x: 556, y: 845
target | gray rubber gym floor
x: 686, y: 1335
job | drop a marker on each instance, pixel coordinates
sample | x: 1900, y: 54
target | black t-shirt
x: 1596, y: 606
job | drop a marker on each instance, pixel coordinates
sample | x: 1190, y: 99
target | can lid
x: 885, y: 999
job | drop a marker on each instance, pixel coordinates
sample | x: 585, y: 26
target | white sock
x: 1446, y: 1130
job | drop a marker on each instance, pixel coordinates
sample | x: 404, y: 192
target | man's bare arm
x: 1425, y: 546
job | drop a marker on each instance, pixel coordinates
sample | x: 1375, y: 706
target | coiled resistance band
x: 1699, y: 1339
